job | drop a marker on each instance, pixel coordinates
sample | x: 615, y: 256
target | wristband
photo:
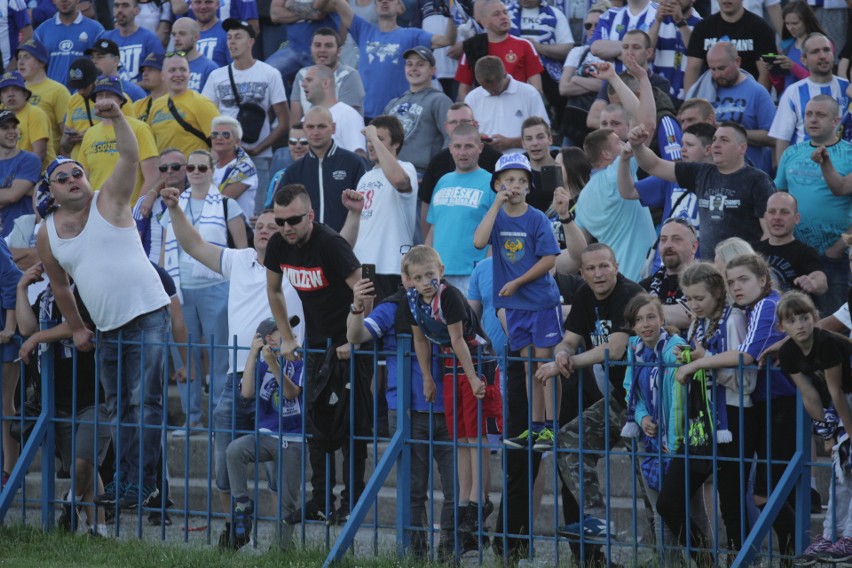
x: 567, y: 219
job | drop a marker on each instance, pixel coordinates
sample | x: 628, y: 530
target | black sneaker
x: 314, y: 512
x: 156, y: 519
x: 446, y: 546
x: 521, y: 442
x: 65, y: 517
x: 130, y: 499
x: 112, y: 492
x: 341, y: 516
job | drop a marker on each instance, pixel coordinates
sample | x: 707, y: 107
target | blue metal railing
x: 397, y: 453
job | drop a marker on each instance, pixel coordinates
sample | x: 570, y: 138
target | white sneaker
x: 194, y: 428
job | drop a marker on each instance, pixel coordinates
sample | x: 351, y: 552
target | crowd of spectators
x: 552, y: 180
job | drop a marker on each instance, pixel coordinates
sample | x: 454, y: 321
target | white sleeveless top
x: 115, y: 279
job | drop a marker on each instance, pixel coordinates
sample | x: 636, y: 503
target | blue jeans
x: 837, y: 273
x: 288, y: 61
x: 443, y: 456
x: 262, y: 166
x: 132, y: 374
x: 205, y: 311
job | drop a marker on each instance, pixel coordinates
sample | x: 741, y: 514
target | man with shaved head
x: 319, y: 88
x: 326, y: 170
x: 185, y: 34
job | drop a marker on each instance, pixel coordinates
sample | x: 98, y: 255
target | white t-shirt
x: 842, y: 315
x: 247, y: 303
x: 246, y: 198
x: 348, y: 124
x: 576, y: 55
x: 260, y: 84
x: 387, y: 221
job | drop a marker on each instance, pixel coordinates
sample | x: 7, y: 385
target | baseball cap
x: 513, y: 161
x: 34, y: 48
x: 267, y: 327
x: 82, y: 73
x: 154, y: 61
x: 106, y: 46
x: 424, y: 52
x: 8, y: 116
x: 108, y: 84
x: 14, y: 79
x: 235, y: 24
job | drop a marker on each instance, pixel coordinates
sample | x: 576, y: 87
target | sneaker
x: 341, y: 516
x: 285, y: 538
x: 242, y: 519
x: 112, y: 492
x: 840, y: 551
x: 194, y: 428
x: 545, y: 441
x: 521, y: 442
x: 446, y: 546
x: 97, y: 532
x: 64, y: 521
x: 816, y: 502
x: 156, y: 519
x: 132, y: 492
x: 227, y: 540
x: 814, y: 552
x: 591, y: 528
x: 313, y: 512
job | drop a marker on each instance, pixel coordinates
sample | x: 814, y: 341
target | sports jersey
x: 518, y: 57
x: 199, y: 70
x: 616, y: 22
x: 545, y: 25
x: 271, y: 402
x: 133, y: 50
x: 66, y: 43
x: 13, y: 19
x: 213, y: 44
x: 789, y: 122
x: 670, y: 54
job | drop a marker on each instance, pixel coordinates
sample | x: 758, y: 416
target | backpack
x: 327, y: 399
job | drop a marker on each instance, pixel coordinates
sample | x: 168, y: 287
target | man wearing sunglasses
x: 149, y: 208
x: 91, y: 237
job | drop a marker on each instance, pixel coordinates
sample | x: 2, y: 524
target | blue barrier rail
x: 396, y: 452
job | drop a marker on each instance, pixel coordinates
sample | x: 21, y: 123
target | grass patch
x: 29, y: 547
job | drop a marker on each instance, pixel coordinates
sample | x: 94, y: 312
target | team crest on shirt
x: 66, y: 45
x: 511, y: 57
x: 513, y: 248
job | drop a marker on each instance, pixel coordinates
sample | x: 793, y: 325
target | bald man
x: 320, y: 89
x: 185, y: 34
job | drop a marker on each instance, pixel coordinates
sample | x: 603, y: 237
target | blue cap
x: 34, y: 48
x: 510, y: 162
x: 154, y: 61
x: 14, y: 79
x: 108, y: 84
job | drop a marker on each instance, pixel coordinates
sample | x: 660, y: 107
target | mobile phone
x: 769, y: 58
x: 368, y: 271
x: 551, y: 178
x: 686, y: 307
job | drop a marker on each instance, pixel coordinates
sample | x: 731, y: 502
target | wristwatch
x: 682, y: 24
x: 567, y: 219
x: 355, y: 311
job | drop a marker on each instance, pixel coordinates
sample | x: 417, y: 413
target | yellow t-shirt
x: 77, y: 116
x: 98, y: 154
x: 196, y: 109
x: 35, y: 125
x: 142, y: 109
x: 51, y: 97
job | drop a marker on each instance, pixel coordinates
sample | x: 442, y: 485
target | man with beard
x: 677, y: 246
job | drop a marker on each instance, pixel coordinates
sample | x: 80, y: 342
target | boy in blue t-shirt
x: 278, y: 384
x: 524, y: 252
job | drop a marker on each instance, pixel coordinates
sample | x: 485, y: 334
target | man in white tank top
x: 93, y: 239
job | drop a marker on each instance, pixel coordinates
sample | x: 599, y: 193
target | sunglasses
x: 300, y: 141
x: 63, y: 177
x: 589, y: 25
x: 174, y: 166
x: 292, y: 221
x: 201, y: 168
x: 681, y: 221
x: 175, y: 53
x: 224, y: 134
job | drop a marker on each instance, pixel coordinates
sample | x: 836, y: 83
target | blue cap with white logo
x: 513, y: 161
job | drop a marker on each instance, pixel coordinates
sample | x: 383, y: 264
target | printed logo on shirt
x: 368, y: 190
x: 511, y: 57
x: 457, y: 197
x: 106, y: 146
x: 408, y: 114
x: 383, y: 52
x: 66, y: 45
x: 716, y: 203
x: 601, y: 334
x: 513, y: 245
x: 338, y: 175
x: 84, y: 37
x: 34, y: 100
x: 740, y: 44
x: 207, y: 46
x: 305, y: 279
x: 730, y: 108
x: 251, y: 92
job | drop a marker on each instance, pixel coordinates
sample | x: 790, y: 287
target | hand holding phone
x: 368, y: 271
x: 551, y: 178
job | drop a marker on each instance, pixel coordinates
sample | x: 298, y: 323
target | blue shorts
x: 542, y: 328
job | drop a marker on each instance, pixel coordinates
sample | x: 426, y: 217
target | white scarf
x: 211, y: 225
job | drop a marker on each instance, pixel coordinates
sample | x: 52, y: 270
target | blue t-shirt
x: 762, y: 332
x: 134, y: 49
x: 381, y: 66
x: 213, y: 44
x: 66, y: 43
x: 481, y: 289
x: 750, y: 105
x: 271, y: 404
x: 300, y: 34
x: 9, y: 276
x: 824, y: 216
x: 459, y: 203
x: 199, y: 69
x: 518, y: 243
x: 25, y: 166
x: 625, y: 225
x: 16, y: 19
x: 132, y: 90
x: 381, y: 325
x: 659, y: 193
